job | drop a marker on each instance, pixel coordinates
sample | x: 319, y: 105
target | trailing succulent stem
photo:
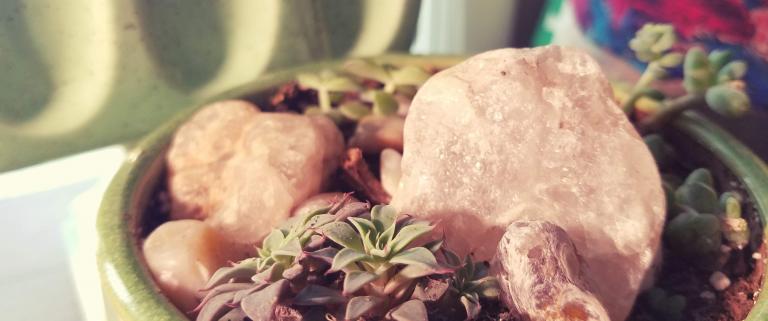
x: 714, y: 79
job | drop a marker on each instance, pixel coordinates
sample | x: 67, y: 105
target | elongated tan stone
x: 516, y: 134
x: 541, y: 275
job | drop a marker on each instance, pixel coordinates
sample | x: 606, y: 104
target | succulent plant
x: 470, y: 283
x: 391, y: 77
x: 377, y: 260
x: 697, y: 230
x: 714, y: 79
x: 665, y: 306
x: 735, y: 227
x: 325, y: 83
x: 661, y: 151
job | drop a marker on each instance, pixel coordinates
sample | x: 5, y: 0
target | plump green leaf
x: 718, y: 58
x: 417, y: 271
x: 700, y: 175
x: 415, y: 256
x: 355, y: 280
x: 340, y: 84
x: 316, y: 221
x: 690, y: 233
x: 671, y: 60
x: 697, y: 76
x: 354, y: 110
x: 383, y: 216
x: 261, y: 305
x: 407, y: 234
x: 697, y: 196
x: 317, y: 295
x: 409, y: 76
x: 346, y: 257
x: 359, y: 306
x: 487, y: 287
x: 384, y: 104
x: 730, y: 204
x: 271, y: 273
x: 343, y: 234
x: 311, y: 81
x: 313, y: 111
x: 727, y: 101
x: 471, y: 303
x: 733, y: 70
x: 660, y: 150
x: 412, y: 310
x: 367, y: 69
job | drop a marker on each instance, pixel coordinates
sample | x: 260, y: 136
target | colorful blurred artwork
x: 738, y: 25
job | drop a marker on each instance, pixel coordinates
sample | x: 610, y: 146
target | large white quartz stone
x: 535, y: 134
x: 242, y: 171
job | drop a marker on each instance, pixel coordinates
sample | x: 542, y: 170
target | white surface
x: 44, y: 244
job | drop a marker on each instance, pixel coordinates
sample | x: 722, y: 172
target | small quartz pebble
x: 541, y: 275
x: 719, y: 281
x: 243, y: 171
x: 390, y: 160
x: 375, y: 133
x: 535, y: 133
x: 182, y: 255
x: 757, y: 256
x: 707, y: 295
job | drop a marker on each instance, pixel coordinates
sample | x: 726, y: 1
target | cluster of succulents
x: 345, y: 262
x: 713, y: 79
x: 380, y: 98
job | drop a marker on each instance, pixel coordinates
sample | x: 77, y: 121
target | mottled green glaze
x: 78, y: 74
x: 129, y: 290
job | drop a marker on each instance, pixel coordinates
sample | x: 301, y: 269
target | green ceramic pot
x: 129, y: 290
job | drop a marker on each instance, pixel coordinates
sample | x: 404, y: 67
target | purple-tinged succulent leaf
x: 235, y: 314
x: 416, y: 271
x: 359, y: 306
x: 325, y: 254
x: 315, y: 242
x: 272, y: 273
x: 355, y: 280
x: 346, y: 257
x: 352, y: 210
x: 224, y: 288
x: 413, y: 310
x: 471, y: 304
x: 293, y: 272
x: 451, y: 258
x: 338, y: 205
x: 216, y: 307
x: 240, y: 295
x: 318, y: 295
x: 434, y: 246
x: 243, y: 270
x: 261, y: 305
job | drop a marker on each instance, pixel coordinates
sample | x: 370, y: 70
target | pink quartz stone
x: 535, y: 134
x: 541, y: 274
x: 243, y: 171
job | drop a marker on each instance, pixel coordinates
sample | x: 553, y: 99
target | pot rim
x: 127, y: 284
